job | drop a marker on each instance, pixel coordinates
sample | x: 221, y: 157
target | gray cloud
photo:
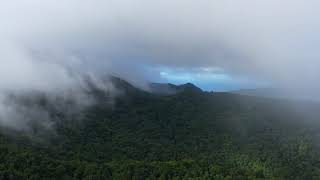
x: 42, y: 42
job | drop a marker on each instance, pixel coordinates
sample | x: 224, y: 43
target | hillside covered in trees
x: 189, y: 134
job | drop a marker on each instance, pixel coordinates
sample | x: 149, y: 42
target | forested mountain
x: 167, y: 88
x: 189, y: 134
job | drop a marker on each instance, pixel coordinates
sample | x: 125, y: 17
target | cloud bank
x: 275, y: 40
x: 47, y: 45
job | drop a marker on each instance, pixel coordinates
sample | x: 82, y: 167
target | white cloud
x: 42, y: 41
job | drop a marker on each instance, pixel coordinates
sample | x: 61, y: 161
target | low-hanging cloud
x: 48, y: 45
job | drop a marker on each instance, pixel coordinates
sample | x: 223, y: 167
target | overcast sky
x: 217, y: 44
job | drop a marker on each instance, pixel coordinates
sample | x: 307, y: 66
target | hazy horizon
x: 53, y: 46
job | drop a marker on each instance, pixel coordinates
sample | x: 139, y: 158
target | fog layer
x: 48, y: 46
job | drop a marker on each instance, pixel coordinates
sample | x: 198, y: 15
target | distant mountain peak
x: 168, y: 88
x: 190, y: 86
x: 156, y: 88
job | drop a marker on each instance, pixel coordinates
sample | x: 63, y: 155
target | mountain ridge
x: 169, y: 88
x: 186, y: 135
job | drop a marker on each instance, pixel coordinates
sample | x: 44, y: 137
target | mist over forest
x: 164, y: 90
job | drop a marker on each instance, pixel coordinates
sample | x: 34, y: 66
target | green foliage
x: 190, y: 135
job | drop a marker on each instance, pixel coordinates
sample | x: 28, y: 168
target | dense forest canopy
x: 188, y: 134
x: 209, y: 89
